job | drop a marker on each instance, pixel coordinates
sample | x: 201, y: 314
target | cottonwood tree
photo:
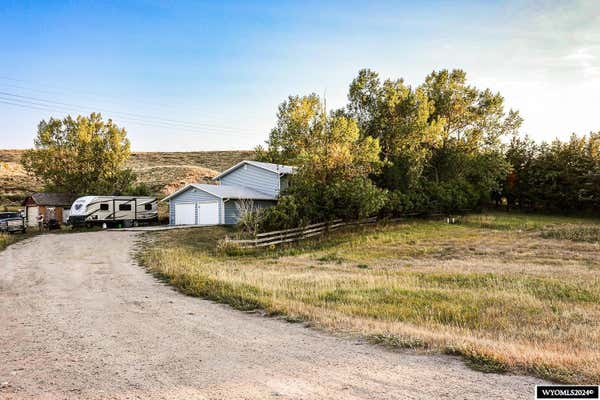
x: 83, y: 155
x: 441, y: 140
x: 324, y: 147
x: 401, y: 118
x: 474, y: 122
x: 298, y: 119
x: 333, y: 160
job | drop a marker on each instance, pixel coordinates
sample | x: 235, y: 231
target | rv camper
x: 120, y: 211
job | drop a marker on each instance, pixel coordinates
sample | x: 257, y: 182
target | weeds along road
x: 80, y: 319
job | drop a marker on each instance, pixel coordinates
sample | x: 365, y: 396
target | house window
x: 148, y: 206
x: 124, y: 207
x: 103, y: 206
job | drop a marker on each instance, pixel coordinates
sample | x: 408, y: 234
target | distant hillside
x: 162, y: 172
x: 14, y: 182
x: 166, y: 172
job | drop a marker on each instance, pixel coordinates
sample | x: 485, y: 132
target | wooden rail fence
x: 293, y: 235
x: 296, y: 234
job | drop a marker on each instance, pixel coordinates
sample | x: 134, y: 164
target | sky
x: 200, y: 75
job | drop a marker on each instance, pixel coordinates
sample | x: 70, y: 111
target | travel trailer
x: 121, y: 211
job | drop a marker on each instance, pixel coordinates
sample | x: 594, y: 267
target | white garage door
x: 185, y: 214
x: 208, y: 213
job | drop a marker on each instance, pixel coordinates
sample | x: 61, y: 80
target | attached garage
x: 185, y: 214
x: 201, y: 204
x: 208, y: 213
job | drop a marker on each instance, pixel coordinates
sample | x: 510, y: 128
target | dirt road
x: 81, y: 320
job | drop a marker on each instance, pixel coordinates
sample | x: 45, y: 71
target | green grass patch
x: 521, y: 221
x: 575, y: 233
x: 331, y: 258
x: 485, y: 363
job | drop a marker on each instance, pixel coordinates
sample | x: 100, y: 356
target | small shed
x: 50, y: 205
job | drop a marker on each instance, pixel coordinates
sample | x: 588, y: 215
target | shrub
x: 398, y: 203
x: 250, y: 216
x: 453, y: 195
x: 285, y: 215
x: 314, y: 202
x: 353, y: 199
x: 139, y: 189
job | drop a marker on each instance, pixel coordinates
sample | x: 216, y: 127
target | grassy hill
x: 163, y: 172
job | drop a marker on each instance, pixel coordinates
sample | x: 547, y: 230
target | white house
x: 203, y: 204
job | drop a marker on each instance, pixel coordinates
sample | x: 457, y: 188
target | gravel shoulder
x: 80, y: 319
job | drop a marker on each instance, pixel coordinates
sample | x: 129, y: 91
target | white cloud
x: 586, y: 61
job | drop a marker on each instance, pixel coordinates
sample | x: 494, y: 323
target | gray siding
x: 255, y: 178
x: 232, y: 214
x: 192, y: 195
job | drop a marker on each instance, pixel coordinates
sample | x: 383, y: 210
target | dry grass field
x: 508, y: 292
x: 162, y: 172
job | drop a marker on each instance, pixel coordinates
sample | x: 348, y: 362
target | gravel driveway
x: 81, y: 320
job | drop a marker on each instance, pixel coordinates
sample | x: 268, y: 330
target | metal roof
x: 279, y: 168
x: 226, y: 192
x: 51, y: 199
x: 276, y: 168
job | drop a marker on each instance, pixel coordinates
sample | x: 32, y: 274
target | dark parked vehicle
x: 12, y: 222
x: 53, y: 224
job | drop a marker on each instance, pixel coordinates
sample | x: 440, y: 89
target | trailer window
x: 148, y: 206
x: 103, y: 206
x: 124, y: 207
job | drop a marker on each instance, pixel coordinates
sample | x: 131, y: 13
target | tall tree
x: 474, y: 121
x: 443, y: 135
x: 298, y: 120
x: 333, y: 162
x: 326, y: 147
x: 401, y: 118
x: 520, y: 154
x: 83, y: 155
x: 556, y: 176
